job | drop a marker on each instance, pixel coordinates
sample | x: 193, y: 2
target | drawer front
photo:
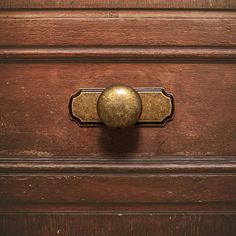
x: 35, y: 114
x: 191, y: 54
x: 56, y: 173
x: 116, y: 28
x: 120, y: 4
x: 129, y: 224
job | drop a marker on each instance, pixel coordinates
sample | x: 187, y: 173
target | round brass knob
x: 119, y: 106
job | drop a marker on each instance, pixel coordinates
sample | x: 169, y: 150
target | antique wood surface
x: 59, y: 179
x: 118, y: 224
x: 168, y: 4
x: 84, y: 165
x: 109, y: 188
x: 35, y: 118
x: 30, y: 28
x: 118, y: 54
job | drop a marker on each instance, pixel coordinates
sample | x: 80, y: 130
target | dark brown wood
x: 116, y: 13
x: 187, y: 4
x: 110, y: 188
x: 85, y: 165
x: 35, y: 118
x: 159, y: 30
x: 184, y: 208
x: 59, y: 179
x: 138, y: 224
x: 118, y: 54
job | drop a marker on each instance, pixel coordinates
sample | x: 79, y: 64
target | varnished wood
x: 117, y: 224
x: 117, y: 188
x: 115, y: 13
x: 59, y: 179
x: 118, y: 54
x: 184, y: 208
x: 35, y: 97
x: 187, y: 4
x: 198, y: 31
x: 85, y: 165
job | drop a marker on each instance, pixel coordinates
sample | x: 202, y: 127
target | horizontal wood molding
x: 119, y: 208
x: 186, y: 4
x: 117, y: 188
x: 126, y: 165
x: 118, y: 54
x: 116, y: 13
x: 131, y: 224
x: 111, y: 29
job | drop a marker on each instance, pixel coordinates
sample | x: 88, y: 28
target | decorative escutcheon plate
x: 157, y: 106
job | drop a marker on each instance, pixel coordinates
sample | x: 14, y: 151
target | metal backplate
x: 158, y: 106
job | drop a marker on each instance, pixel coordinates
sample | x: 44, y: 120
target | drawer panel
x: 117, y: 188
x: 117, y: 224
x: 35, y: 118
x: 153, y: 28
x: 188, y: 4
x: 58, y: 178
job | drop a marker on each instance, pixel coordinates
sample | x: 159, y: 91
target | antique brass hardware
x: 119, y: 106
x: 122, y: 106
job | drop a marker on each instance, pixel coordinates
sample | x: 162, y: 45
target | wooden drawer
x: 84, y: 224
x: 55, y: 173
x: 35, y: 119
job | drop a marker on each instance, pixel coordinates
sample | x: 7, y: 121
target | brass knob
x: 119, y: 106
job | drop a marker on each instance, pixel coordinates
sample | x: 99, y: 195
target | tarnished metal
x: 140, y: 106
x: 119, y: 106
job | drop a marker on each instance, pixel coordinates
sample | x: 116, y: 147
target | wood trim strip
x: 157, y: 4
x: 117, y: 31
x: 118, y: 224
x: 113, y: 166
x: 112, y: 188
x: 121, y: 208
x: 113, y: 13
x: 116, y: 54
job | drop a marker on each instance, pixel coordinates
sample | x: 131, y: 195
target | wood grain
x: 59, y: 179
x: 116, y: 13
x: 176, y: 188
x: 118, y: 54
x: 159, y: 4
x: 125, y: 224
x: 79, y: 31
x: 85, y: 165
x: 35, y: 121
x: 123, y: 208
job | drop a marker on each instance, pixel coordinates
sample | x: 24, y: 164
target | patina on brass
x: 119, y: 106
x: 99, y: 106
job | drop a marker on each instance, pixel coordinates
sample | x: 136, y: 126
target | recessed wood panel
x: 35, y: 118
x: 118, y: 54
x: 192, y: 4
x: 74, y: 188
x: 152, y: 30
x: 60, y: 179
x: 139, y: 224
